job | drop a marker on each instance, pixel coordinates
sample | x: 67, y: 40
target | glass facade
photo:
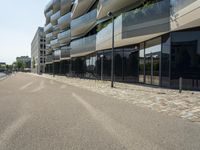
x: 185, y: 58
x: 160, y: 61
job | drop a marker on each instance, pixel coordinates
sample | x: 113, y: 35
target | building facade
x: 156, y: 41
x: 38, y: 52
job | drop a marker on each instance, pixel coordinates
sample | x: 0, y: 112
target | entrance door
x: 152, y: 69
x: 152, y: 61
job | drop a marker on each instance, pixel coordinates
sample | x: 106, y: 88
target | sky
x: 19, y: 20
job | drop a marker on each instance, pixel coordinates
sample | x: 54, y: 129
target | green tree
x: 33, y: 63
x: 20, y: 65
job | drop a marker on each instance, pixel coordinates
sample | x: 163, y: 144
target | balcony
x: 49, y: 37
x: 56, y: 5
x: 56, y: 30
x: 83, y: 24
x: 152, y: 19
x: 64, y: 37
x: 83, y: 46
x: 57, y: 55
x: 113, y: 6
x: 80, y: 7
x: 48, y: 28
x: 49, y: 6
x: 49, y: 59
x: 49, y: 14
x: 185, y: 14
x: 55, y: 44
x: 65, y: 52
x: 65, y: 6
x: 64, y: 21
x: 55, y: 17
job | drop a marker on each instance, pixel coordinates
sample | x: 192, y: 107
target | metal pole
x: 101, y: 67
x: 53, y: 69
x: 112, y: 64
x: 180, y: 84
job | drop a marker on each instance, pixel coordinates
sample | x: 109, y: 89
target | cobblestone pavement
x: 185, y: 105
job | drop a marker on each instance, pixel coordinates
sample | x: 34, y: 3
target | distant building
x: 38, y: 47
x: 26, y: 61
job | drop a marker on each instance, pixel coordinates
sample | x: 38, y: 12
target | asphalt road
x: 42, y: 114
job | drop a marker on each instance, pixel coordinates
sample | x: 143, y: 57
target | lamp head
x: 109, y: 14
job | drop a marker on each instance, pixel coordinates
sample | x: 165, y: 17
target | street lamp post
x: 112, y: 63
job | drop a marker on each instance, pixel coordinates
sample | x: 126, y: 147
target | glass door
x: 152, y: 61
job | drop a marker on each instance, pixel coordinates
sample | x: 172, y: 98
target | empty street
x: 42, y: 114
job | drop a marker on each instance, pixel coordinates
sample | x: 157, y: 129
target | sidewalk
x: 171, y: 102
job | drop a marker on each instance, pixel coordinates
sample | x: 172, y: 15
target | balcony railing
x: 64, y: 21
x: 83, y: 24
x: 56, y: 5
x: 55, y: 17
x: 48, y: 28
x: 65, y: 52
x: 49, y: 36
x: 65, y: 6
x: 83, y: 46
x: 180, y: 4
x: 64, y: 37
x: 55, y: 44
x: 49, y: 6
x: 114, y: 5
x: 151, y: 19
x: 57, y: 55
x: 49, y: 14
x: 80, y: 7
x: 49, y: 59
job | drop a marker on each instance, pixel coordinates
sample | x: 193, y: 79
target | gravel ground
x: 185, y: 105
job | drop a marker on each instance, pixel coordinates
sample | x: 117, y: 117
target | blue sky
x: 19, y: 20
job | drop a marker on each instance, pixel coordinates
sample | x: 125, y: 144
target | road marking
x: 26, y: 86
x: 11, y: 130
x: 114, y: 129
x: 40, y: 87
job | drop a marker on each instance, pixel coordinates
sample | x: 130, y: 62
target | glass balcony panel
x: 55, y: 17
x: 48, y: 28
x: 64, y: 37
x: 49, y: 6
x: 151, y: 19
x: 49, y: 14
x: 185, y: 14
x: 57, y: 55
x: 49, y: 59
x: 49, y: 36
x: 180, y: 4
x: 56, y: 5
x: 65, y: 6
x: 83, y: 46
x: 64, y: 21
x: 80, y: 7
x: 65, y: 52
x: 55, y: 44
x: 113, y: 6
x: 83, y: 24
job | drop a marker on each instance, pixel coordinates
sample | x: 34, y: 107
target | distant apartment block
x: 156, y: 41
x: 38, y: 52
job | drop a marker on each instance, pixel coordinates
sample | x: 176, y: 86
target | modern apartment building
x: 156, y: 41
x: 38, y: 52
